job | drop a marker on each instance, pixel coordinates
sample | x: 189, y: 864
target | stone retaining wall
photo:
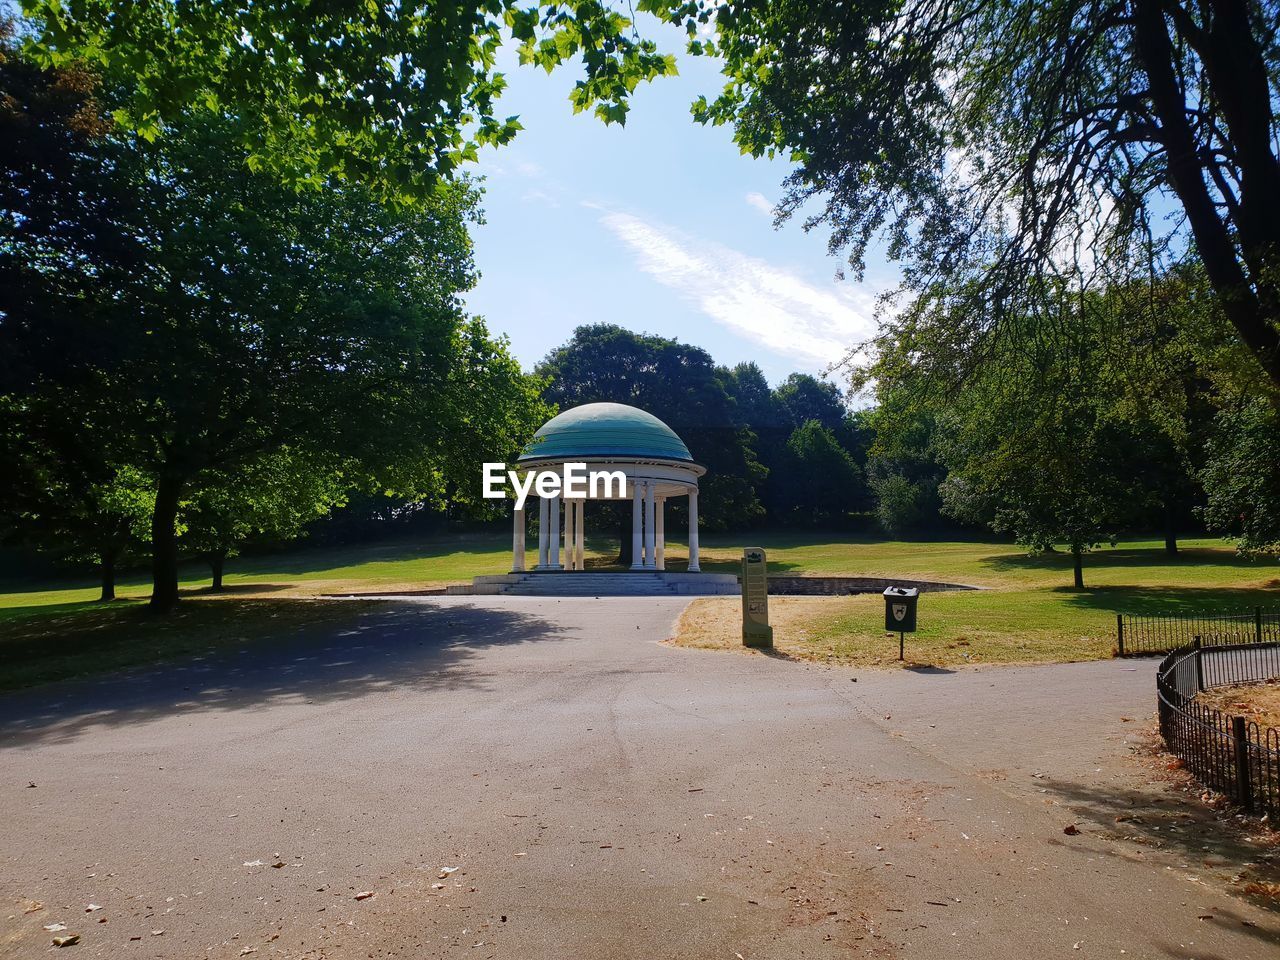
x: 842, y: 586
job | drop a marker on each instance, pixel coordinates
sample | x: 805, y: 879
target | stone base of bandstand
x: 585, y: 583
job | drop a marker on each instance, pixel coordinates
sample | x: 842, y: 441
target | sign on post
x: 756, y: 631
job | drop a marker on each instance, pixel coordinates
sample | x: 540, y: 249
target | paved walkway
x: 600, y: 796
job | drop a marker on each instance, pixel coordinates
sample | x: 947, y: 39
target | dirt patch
x: 1258, y: 702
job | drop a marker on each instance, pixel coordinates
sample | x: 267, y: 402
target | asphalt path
x: 543, y: 778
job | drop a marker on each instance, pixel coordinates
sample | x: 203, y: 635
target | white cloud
x: 768, y: 305
x: 760, y: 202
x: 540, y: 196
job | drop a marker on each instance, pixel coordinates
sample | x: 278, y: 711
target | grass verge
x: 1027, y: 612
x: 63, y: 643
x: 957, y: 629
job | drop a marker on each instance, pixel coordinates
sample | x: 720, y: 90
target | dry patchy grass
x: 957, y: 629
x: 1259, y: 702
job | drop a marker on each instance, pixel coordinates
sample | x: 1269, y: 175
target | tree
x: 904, y: 467
x: 1000, y: 145
x: 225, y: 318
x: 72, y: 484
x: 391, y: 95
x: 679, y: 385
x: 271, y: 498
x: 755, y: 404
x: 803, y: 397
x: 1032, y: 448
x: 1242, y: 477
x: 823, y: 483
x: 72, y: 501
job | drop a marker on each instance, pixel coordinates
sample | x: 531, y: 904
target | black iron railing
x: 1162, y: 634
x: 1228, y: 753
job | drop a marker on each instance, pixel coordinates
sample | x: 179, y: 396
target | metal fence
x: 1162, y: 634
x: 1229, y: 753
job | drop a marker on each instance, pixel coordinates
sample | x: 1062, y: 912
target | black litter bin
x: 900, y: 612
x: 900, y: 609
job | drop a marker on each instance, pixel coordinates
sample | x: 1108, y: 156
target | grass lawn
x: 73, y: 640
x: 1027, y: 613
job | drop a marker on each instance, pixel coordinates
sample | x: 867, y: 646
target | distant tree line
x: 1130, y: 410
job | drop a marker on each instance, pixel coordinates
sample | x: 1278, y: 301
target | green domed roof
x: 605, y: 430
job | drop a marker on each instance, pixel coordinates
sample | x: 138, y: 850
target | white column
x: 553, y: 536
x: 580, y: 548
x: 637, y: 551
x: 544, y: 520
x: 650, y: 541
x: 662, y: 533
x: 693, y: 531
x: 517, y: 540
x: 568, y: 534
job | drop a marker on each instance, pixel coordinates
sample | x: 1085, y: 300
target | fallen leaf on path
x: 31, y: 906
x: 157, y: 933
x: 364, y: 894
x: 1071, y: 830
x: 66, y: 941
x: 55, y: 927
x: 92, y: 907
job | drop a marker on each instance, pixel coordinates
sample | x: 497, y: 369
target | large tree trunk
x: 107, y: 569
x: 624, y: 537
x: 1077, y: 561
x: 164, y: 544
x: 1234, y: 63
x: 1170, y: 528
x: 217, y: 560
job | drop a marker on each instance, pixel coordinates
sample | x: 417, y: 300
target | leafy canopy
x: 1001, y: 144
x: 395, y: 95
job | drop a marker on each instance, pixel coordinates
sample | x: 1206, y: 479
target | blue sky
x: 661, y: 226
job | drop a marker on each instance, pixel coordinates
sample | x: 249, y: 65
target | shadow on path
x: 1204, y: 839
x: 416, y: 646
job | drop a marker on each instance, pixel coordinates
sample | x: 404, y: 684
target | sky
x: 661, y: 226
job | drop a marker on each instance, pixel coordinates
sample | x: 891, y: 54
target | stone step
x: 572, y: 583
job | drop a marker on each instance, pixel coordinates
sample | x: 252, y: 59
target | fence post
x: 1244, y: 783
x: 1257, y: 620
x: 1195, y: 645
x: 1120, y: 631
